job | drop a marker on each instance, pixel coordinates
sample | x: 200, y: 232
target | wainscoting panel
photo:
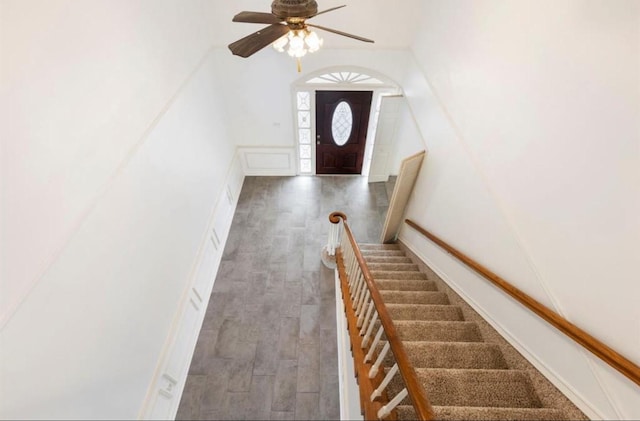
x: 165, y: 392
x: 268, y: 161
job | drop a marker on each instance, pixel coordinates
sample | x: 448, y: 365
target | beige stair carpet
x: 467, y: 369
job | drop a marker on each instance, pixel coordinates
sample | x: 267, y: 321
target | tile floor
x: 267, y: 348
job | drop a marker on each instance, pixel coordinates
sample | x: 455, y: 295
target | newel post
x: 328, y: 254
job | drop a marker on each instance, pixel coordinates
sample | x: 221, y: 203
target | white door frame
x: 340, y: 78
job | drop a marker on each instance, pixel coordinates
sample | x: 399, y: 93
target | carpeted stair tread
x: 414, y: 297
x: 463, y: 355
x: 407, y: 267
x: 424, y: 312
x: 488, y: 388
x: 469, y: 355
x: 388, y: 259
x: 454, y: 413
x: 406, y: 284
x: 390, y: 274
x: 376, y: 246
x: 464, y: 377
x: 372, y: 252
x: 437, y: 331
x: 488, y: 413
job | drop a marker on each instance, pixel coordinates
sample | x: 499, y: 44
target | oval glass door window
x: 341, y: 123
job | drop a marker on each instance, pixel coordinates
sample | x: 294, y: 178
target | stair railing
x: 364, y: 307
x: 596, y: 347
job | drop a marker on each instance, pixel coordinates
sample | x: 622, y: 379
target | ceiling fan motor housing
x: 294, y: 8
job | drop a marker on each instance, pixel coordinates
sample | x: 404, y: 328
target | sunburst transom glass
x: 346, y: 77
x: 342, y: 123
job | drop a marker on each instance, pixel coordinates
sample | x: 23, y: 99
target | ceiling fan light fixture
x: 313, y: 41
x: 297, y: 47
x: 298, y: 42
x: 287, y: 30
x: 280, y: 43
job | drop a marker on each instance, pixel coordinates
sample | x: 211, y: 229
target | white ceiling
x: 391, y: 24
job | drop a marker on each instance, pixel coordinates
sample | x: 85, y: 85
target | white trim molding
x: 165, y: 391
x: 268, y: 161
x: 339, y: 78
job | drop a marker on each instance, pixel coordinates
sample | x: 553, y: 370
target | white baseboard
x: 280, y: 161
x: 164, y: 393
x: 570, y: 392
x: 378, y: 178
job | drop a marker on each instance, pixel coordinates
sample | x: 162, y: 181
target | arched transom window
x: 346, y: 77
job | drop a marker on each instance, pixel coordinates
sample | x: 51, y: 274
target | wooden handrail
x: 362, y: 369
x: 417, y: 394
x: 598, y: 348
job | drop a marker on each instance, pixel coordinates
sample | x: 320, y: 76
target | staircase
x: 467, y: 369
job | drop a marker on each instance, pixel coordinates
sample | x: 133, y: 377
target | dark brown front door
x: 342, y: 119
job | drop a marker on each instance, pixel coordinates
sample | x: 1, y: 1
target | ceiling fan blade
x: 335, y: 31
x: 256, y: 17
x: 258, y: 40
x: 329, y: 10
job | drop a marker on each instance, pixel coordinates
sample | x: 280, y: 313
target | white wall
x: 259, y: 90
x: 407, y: 139
x: 531, y: 114
x: 396, y: 137
x: 265, y: 118
x: 115, y: 152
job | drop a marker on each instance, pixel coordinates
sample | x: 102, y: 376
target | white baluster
x: 363, y: 305
x: 376, y: 366
x: 353, y: 264
x: 374, y: 345
x: 363, y: 292
x: 386, y: 410
x: 335, y: 238
x: 353, y: 261
x: 353, y: 282
x: 363, y: 289
x: 353, y: 287
x: 356, y: 293
x: 345, y: 253
x: 376, y: 393
x: 372, y: 323
x: 346, y: 257
x: 331, y: 246
x: 348, y: 260
x: 367, y: 318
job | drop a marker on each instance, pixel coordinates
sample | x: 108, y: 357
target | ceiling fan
x: 287, y: 17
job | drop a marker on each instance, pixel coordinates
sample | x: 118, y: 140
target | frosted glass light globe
x: 313, y: 41
x: 280, y: 43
